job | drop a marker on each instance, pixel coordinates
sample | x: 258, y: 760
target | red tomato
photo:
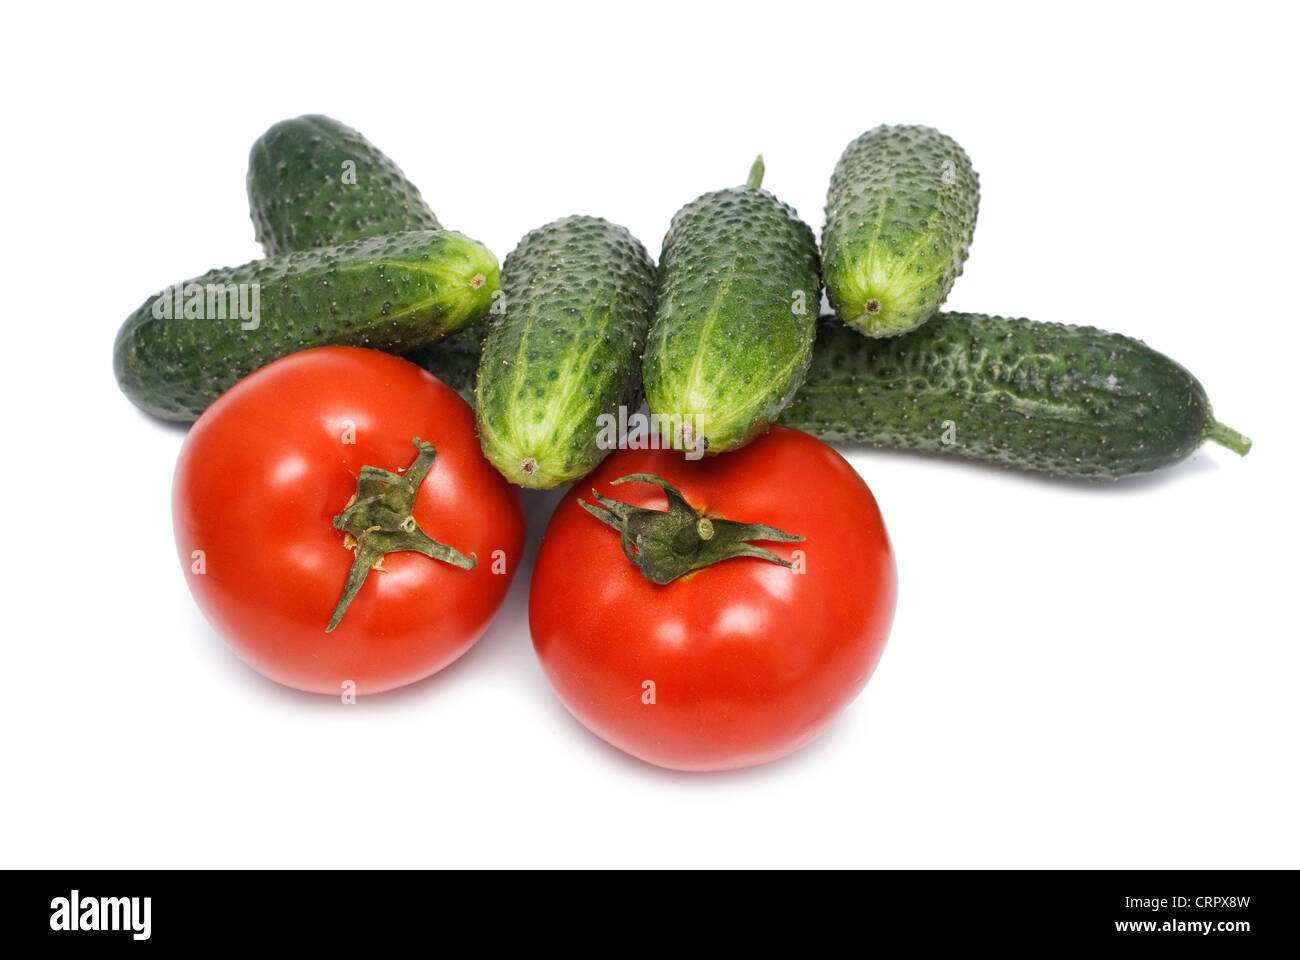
x: 265, y: 470
x: 735, y: 664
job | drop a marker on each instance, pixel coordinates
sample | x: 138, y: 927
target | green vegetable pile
x: 723, y: 338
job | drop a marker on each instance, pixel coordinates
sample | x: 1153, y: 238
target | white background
x: 1077, y: 677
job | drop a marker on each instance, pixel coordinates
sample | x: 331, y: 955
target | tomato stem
x: 378, y: 518
x: 665, y: 544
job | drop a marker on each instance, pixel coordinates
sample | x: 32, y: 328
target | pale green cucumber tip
x: 1227, y: 437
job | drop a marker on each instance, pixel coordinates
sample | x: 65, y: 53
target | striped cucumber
x: 738, y: 290
x: 565, y: 349
x: 1067, y: 401
x: 313, y: 182
x: 184, y: 346
x: 900, y: 215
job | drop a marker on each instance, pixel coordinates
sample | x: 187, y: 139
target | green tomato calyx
x: 378, y: 521
x: 666, y: 544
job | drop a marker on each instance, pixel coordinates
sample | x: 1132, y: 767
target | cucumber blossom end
x: 900, y: 217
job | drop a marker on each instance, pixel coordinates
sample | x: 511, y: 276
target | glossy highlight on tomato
x: 261, y: 477
x: 735, y: 664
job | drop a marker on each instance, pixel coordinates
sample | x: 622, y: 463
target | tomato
x: 267, y: 468
x: 740, y: 662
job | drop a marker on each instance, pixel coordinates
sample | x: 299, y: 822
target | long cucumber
x: 1068, y: 401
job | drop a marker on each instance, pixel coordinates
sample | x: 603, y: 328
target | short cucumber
x: 313, y: 182
x: 302, y: 193
x: 738, y: 291
x: 577, y: 296
x: 1063, y: 400
x: 184, y: 346
x: 900, y: 215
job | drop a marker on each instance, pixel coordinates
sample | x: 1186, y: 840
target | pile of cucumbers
x: 723, y: 338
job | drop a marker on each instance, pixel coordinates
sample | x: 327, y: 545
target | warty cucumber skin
x: 1068, y: 401
x: 393, y: 293
x: 577, y: 296
x: 299, y: 195
x: 900, y: 216
x: 298, y: 200
x: 738, y: 292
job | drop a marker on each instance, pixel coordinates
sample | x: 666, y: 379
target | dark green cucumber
x: 738, y: 294
x: 900, y: 215
x: 1068, y: 401
x: 454, y: 360
x: 303, y: 194
x: 577, y: 296
x: 313, y: 182
x: 184, y: 346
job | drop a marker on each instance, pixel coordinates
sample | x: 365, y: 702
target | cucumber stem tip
x: 1227, y: 437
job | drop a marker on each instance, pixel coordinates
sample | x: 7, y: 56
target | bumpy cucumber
x: 303, y: 194
x: 900, y: 215
x: 1068, y: 401
x: 577, y: 297
x: 313, y: 182
x: 738, y: 294
x: 182, y: 347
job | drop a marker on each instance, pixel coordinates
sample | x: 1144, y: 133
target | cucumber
x: 738, y: 291
x: 565, y: 349
x: 900, y: 215
x: 299, y: 196
x: 1067, y: 401
x: 313, y: 182
x: 184, y: 346
x: 454, y: 360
